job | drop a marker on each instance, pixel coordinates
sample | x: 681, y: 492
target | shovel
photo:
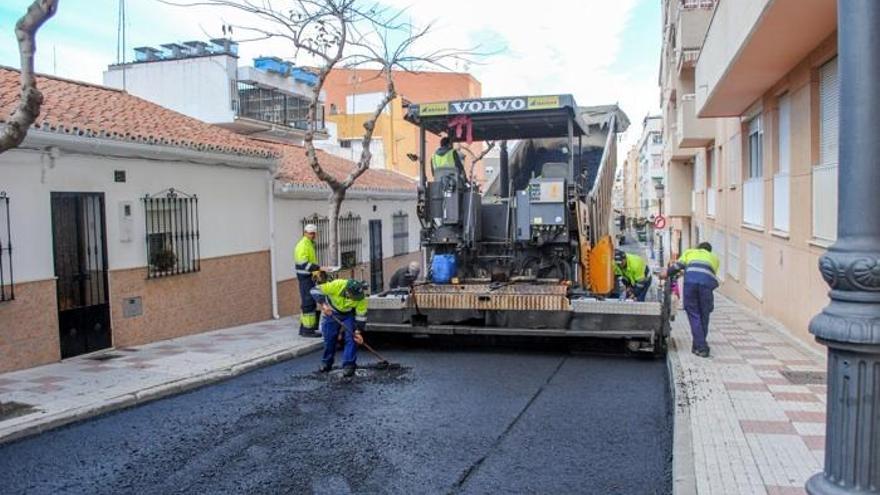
x: 383, y: 363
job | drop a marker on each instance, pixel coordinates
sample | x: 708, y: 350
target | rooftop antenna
x: 120, y: 41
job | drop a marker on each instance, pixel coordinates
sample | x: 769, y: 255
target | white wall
x: 233, y: 209
x: 364, y: 103
x: 200, y: 87
x: 290, y: 212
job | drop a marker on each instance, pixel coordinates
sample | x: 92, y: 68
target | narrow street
x: 448, y: 421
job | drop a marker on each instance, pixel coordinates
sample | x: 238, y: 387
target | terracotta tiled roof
x: 294, y: 168
x: 78, y: 108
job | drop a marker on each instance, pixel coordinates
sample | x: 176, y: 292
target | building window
x: 733, y: 256
x: 350, y: 240
x: 400, y: 224
x: 269, y: 105
x: 711, y: 189
x: 825, y: 173
x: 172, y: 233
x: 345, y: 143
x: 7, y: 289
x: 755, y: 269
x: 753, y: 187
x: 781, y: 180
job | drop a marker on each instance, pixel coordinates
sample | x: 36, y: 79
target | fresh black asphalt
x: 449, y: 421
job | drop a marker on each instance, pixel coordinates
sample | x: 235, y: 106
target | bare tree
x: 30, y: 99
x: 477, y: 157
x: 340, y: 33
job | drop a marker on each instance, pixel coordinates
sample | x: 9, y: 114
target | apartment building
x: 753, y: 89
x: 631, y: 206
x: 268, y: 100
x: 353, y: 94
x: 650, y: 165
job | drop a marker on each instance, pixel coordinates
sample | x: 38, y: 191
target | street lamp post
x: 850, y: 325
x: 660, y: 188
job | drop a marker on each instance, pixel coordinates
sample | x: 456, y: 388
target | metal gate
x: 80, y: 248
x: 376, y: 275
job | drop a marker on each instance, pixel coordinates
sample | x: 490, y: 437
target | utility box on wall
x: 126, y: 221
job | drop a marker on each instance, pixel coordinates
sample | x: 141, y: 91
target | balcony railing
x: 753, y: 202
x: 698, y: 4
x: 686, y: 58
x: 268, y: 105
x: 825, y: 202
x: 781, y: 202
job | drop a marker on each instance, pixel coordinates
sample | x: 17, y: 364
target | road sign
x: 660, y: 222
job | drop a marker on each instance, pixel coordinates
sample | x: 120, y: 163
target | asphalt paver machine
x: 532, y: 254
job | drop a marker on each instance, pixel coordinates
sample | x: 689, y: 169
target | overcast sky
x: 599, y: 50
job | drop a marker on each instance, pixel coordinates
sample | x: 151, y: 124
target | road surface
x: 449, y: 421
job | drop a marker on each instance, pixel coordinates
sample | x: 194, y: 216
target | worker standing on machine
x: 305, y: 260
x: 700, y: 267
x: 633, y: 272
x: 446, y: 160
x: 344, y: 305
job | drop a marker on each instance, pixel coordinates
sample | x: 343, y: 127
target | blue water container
x: 443, y: 268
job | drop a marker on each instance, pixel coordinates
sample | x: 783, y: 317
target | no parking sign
x: 660, y: 222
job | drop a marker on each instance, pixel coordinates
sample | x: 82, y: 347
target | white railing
x: 753, y: 202
x: 695, y: 4
x: 781, y: 202
x: 825, y: 202
x: 711, y: 197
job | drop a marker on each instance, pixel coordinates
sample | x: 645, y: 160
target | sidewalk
x: 752, y: 417
x: 86, y: 386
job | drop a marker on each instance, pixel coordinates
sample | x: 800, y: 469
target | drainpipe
x: 272, y: 277
x: 850, y: 325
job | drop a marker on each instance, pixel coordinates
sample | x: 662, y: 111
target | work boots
x: 325, y: 367
x: 348, y: 371
x: 308, y: 333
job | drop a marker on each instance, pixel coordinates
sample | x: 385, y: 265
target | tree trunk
x: 336, y: 198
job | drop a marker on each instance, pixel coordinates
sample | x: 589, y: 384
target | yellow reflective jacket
x: 332, y: 293
x: 700, y: 267
x: 305, y: 258
x: 443, y: 159
x: 635, y: 269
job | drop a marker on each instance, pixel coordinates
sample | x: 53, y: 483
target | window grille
x: 171, y: 222
x: 350, y: 240
x: 7, y: 289
x: 400, y: 223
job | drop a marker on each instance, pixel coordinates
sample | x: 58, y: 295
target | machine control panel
x: 547, y: 191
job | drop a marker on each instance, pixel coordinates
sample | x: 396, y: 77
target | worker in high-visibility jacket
x: 446, y: 160
x: 633, y: 272
x: 305, y: 260
x: 700, y: 268
x: 344, y: 305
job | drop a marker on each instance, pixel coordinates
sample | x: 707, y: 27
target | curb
x: 45, y: 423
x: 684, y: 481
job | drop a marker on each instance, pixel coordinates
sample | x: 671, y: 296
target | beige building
x: 749, y: 89
x: 631, y: 192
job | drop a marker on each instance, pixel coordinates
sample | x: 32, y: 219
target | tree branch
x: 30, y: 99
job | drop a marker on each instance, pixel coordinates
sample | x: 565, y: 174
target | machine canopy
x: 491, y: 119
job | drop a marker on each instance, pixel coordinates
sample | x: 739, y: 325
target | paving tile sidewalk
x: 88, y: 385
x: 755, y: 411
